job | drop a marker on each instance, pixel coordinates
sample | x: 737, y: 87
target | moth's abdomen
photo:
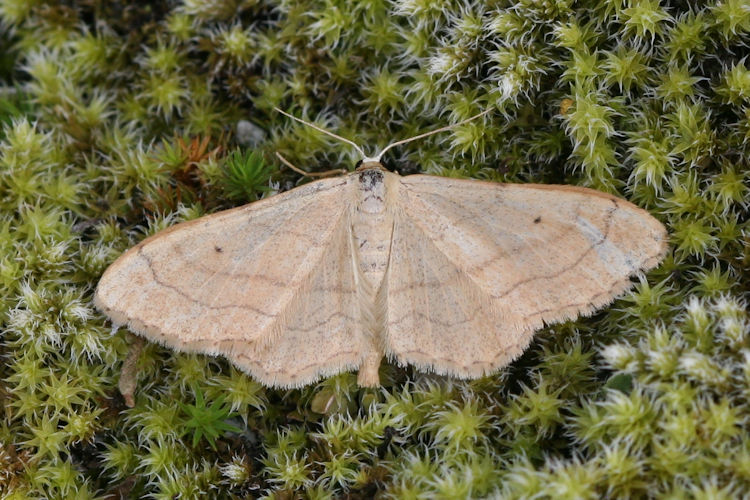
x: 372, y: 225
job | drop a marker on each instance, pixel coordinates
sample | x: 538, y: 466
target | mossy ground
x: 121, y: 118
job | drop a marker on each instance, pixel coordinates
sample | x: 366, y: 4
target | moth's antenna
x: 319, y: 129
x: 420, y: 136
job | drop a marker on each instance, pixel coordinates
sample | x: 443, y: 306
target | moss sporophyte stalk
x: 121, y: 119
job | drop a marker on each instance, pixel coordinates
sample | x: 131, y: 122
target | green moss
x: 120, y: 119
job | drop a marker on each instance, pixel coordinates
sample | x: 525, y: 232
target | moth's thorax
x: 372, y: 222
x: 372, y: 191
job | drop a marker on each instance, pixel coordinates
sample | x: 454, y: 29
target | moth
x: 452, y: 276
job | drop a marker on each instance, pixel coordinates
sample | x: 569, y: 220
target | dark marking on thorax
x: 371, y: 181
x: 372, y: 224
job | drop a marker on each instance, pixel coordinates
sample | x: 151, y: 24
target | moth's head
x: 369, y: 163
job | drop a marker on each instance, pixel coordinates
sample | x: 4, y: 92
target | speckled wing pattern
x: 477, y: 267
x: 470, y: 270
x: 269, y: 285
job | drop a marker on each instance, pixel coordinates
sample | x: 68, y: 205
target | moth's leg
x: 327, y: 173
x: 129, y: 371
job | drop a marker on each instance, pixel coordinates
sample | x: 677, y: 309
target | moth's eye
x: 359, y: 164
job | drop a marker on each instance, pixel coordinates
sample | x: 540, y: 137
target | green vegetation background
x: 123, y: 118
